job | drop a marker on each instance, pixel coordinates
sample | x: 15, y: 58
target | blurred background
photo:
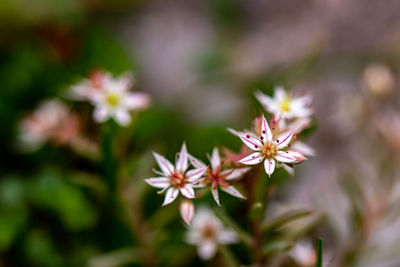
x: 200, y: 61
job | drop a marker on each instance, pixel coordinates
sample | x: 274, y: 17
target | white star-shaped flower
x: 111, y: 97
x: 216, y: 177
x: 284, y: 105
x: 175, y: 179
x: 207, y: 232
x: 268, y: 148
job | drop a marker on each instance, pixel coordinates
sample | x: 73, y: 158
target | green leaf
x: 50, y: 191
x: 284, y: 219
x: 11, y: 192
x: 277, y: 246
x: 41, y: 251
x: 11, y: 223
x: 119, y: 257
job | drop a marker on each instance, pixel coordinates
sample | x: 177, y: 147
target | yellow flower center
x: 113, y: 99
x: 269, y: 150
x: 285, y: 104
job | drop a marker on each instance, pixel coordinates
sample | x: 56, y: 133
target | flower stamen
x: 269, y: 150
x: 177, y: 179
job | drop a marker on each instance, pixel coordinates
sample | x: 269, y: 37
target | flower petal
x: 170, y: 196
x: 182, y: 162
x: 250, y: 141
x: 207, y: 249
x: 166, y: 167
x: 199, y: 183
x: 187, y: 191
x: 215, y: 195
x: 100, y: 114
x: 186, y: 209
x: 125, y: 80
x: 297, y: 155
x: 215, y: 159
x: 195, y: 174
x: 269, y: 165
x: 264, y: 99
x: 232, y: 191
x: 303, y: 148
x: 137, y: 101
x: 198, y: 164
x: 289, y: 169
x: 283, y: 156
x: 227, y: 237
x: 236, y: 173
x: 252, y: 159
x: 284, y: 139
x: 158, y: 182
x: 122, y: 117
x: 279, y: 93
x: 265, y: 130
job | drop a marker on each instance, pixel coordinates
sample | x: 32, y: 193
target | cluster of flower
x: 111, y: 97
x: 269, y: 143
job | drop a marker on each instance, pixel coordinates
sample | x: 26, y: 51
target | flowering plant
x: 271, y: 145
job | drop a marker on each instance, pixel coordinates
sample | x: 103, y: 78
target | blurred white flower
x: 111, y: 97
x: 303, y: 253
x: 378, y: 79
x: 216, y: 177
x: 51, y: 121
x: 207, y: 232
x: 175, y: 179
x: 285, y: 106
x: 86, y: 89
x: 268, y: 147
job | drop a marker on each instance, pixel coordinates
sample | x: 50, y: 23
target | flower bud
x: 186, y: 210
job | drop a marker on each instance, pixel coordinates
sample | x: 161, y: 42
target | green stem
x: 229, y: 258
x: 253, y: 196
x: 109, y: 218
x: 320, y: 245
x: 109, y: 162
